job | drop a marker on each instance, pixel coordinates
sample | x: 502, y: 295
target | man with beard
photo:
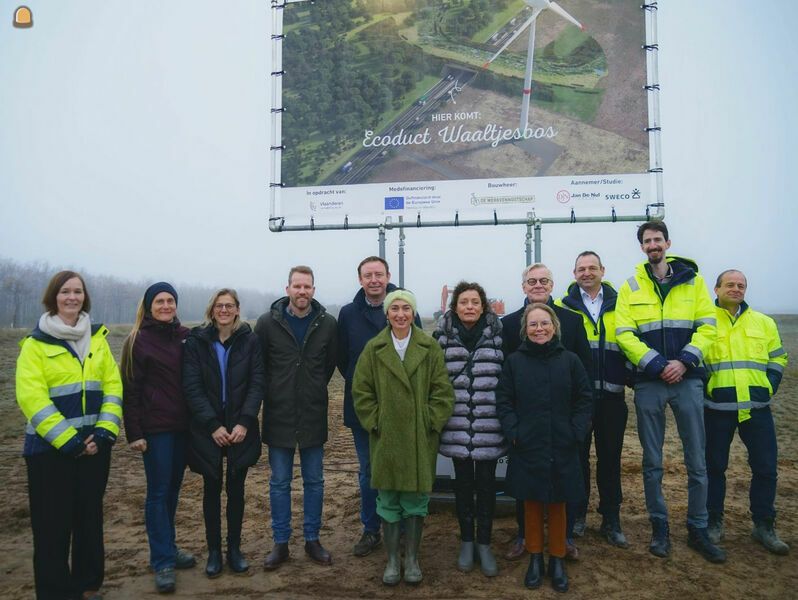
x: 299, y: 341
x: 665, y: 324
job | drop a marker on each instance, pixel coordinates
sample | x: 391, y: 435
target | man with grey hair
x: 537, y: 283
x: 745, y: 367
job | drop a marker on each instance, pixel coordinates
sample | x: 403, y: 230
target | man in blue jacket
x: 358, y: 322
x: 594, y: 300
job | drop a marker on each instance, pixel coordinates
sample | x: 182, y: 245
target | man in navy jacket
x: 358, y: 322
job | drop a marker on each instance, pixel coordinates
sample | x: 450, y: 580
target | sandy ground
x: 602, y: 571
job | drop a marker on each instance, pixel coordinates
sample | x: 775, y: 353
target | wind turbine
x: 538, y: 6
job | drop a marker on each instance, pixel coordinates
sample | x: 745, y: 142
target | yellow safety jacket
x: 610, y: 371
x: 653, y: 329
x: 746, y: 363
x: 66, y: 401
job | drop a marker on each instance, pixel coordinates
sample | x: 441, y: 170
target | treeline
x: 466, y: 18
x: 335, y: 87
x: 113, y: 300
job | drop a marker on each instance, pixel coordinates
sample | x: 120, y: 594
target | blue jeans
x: 164, y: 465
x: 281, y: 461
x: 686, y: 400
x: 368, y: 495
x: 759, y: 437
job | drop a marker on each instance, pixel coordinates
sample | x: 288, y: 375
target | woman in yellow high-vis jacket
x: 69, y: 387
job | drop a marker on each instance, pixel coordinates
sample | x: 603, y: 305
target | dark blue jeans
x: 164, y: 465
x: 368, y: 496
x: 281, y: 461
x: 759, y: 436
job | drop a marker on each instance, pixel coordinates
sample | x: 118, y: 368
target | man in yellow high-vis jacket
x: 665, y: 324
x: 745, y: 367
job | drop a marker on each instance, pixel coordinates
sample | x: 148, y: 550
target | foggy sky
x: 134, y: 142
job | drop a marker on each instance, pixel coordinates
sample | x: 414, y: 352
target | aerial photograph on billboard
x: 501, y: 91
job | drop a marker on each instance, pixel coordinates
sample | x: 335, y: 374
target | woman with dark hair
x: 402, y: 397
x: 156, y: 420
x: 471, y: 337
x: 223, y: 381
x: 69, y: 389
x: 544, y: 403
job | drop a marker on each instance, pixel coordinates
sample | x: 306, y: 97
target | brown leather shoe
x: 276, y: 557
x: 571, y: 551
x: 517, y: 550
x: 316, y: 551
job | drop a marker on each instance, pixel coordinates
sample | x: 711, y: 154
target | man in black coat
x: 537, y: 283
x: 299, y: 341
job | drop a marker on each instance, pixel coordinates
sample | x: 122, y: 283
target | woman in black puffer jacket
x: 224, y: 383
x: 471, y: 337
x: 544, y: 402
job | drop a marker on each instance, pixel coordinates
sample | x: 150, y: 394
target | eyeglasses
x: 227, y: 307
x: 542, y: 281
x: 538, y: 325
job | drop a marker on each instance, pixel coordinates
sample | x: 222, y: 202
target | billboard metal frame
x: 654, y: 211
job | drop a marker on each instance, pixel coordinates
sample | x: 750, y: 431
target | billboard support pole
x: 381, y: 241
x: 528, y: 245
x: 401, y: 253
x: 537, y: 241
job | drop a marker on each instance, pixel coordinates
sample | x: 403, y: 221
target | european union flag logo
x: 396, y: 203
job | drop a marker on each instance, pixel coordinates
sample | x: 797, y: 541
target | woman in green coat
x: 403, y: 398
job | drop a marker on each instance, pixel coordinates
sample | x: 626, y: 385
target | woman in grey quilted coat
x: 470, y: 335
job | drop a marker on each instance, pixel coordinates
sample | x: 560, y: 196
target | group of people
x: 538, y: 385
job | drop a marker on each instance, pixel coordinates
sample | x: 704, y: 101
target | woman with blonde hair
x: 69, y: 389
x: 544, y: 403
x: 156, y: 421
x: 224, y: 382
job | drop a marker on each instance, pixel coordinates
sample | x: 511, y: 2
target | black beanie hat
x: 154, y: 290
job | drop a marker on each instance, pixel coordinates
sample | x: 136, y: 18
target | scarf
x: 78, y: 337
x: 470, y: 337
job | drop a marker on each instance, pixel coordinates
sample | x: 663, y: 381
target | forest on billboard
x: 436, y: 108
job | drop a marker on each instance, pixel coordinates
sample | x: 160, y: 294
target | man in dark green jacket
x: 299, y: 341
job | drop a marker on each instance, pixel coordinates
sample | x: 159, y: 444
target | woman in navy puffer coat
x: 470, y: 335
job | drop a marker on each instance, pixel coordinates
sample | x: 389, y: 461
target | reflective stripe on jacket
x: 65, y: 401
x: 610, y: 370
x: 652, y: 330
x: 746, y: 363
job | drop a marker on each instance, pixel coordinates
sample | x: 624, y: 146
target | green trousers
x: 393, y: 505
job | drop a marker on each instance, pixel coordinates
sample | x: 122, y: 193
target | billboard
x: 463, y: 110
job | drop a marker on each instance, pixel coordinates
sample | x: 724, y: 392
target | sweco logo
x: 563, y: 196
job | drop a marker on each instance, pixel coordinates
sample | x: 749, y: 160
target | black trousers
x: 609, y: 424
x: 66, y: 505
x: 475, y: 476
x: 212, y: 507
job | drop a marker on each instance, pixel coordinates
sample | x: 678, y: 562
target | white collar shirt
x: 593, y: 305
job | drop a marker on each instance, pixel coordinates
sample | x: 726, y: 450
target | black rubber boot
x: 534, y: 574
